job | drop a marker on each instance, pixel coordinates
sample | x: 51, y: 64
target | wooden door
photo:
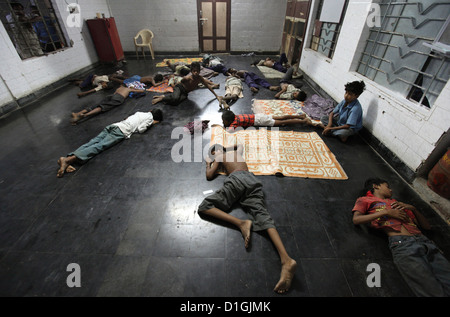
x: 214, y: 18
x: 297, y: 14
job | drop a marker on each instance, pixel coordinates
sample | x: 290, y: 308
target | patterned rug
x: 293, y: 154
x: 176, y: 60
x: 278, y: 107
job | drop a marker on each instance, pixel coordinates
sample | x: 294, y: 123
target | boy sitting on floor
x: 187, y: 84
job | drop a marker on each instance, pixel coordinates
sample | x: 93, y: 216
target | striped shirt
x: 243, y: 120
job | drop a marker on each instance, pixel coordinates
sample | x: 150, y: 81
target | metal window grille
x: 326, y: 34
x: 32, y: 27
x: 395, y: 55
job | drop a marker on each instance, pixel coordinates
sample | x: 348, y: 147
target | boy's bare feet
x: 287, y: 274
x: 157, y: 99
x: 274, y: 88
x: 254, y: 89
x: 64, y: 166
x: 76, y: 117
x: 246, y: 230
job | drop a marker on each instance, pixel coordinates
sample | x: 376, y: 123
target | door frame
x: 214, y: 26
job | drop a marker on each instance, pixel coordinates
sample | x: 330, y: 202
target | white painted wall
x: 21, y: 77
x: 409, y: 131
x: 255, y: 25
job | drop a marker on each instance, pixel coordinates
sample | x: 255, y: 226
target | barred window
x: 397, y: 54
x: 32, y: 26
x: 327, y: 26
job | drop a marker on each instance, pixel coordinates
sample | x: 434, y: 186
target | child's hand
x: 326, y: 131
x: 401, y: 206
x: 398, y: 214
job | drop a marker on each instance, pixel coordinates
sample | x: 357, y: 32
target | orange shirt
x: 371, y: 204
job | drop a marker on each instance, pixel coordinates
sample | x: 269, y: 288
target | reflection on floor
x: 128, y: 217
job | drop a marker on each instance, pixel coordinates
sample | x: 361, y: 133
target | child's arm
x: 359, y: 218
x: 420, y: 219
x: 283, y: 90
x: 208, y: 83
x: 84, y: 93
x: 211, y: 168
x: 330, y: 127
x: 137, y: 90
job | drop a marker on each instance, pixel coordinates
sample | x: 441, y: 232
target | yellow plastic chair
x: 146, y: 41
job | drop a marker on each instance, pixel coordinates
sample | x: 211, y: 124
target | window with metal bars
x: 397, y: 55
x: 32, y: 26
x: 326, y: 33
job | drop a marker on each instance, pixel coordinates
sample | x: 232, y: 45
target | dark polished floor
x: 128, y: 217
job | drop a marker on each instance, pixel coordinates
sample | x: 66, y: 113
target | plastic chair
x: 146, y: 38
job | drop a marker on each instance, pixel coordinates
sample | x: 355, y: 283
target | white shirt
x: 98, y: 82
x: 138, y: 122
x: 289, y: 92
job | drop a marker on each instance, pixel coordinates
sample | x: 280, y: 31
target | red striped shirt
x: 243, y: 120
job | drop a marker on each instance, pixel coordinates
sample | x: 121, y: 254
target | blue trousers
x: 421, y: 265
x: 111, y: 135
x: 253, y: 80
x: 279, y: 65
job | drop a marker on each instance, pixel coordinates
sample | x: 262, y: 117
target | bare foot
x: 70, y: 169
x: 254, y: 89
x: 76, y: 117
x: 287, y: 274
x: 63, y: 167
x: 246, y: 230
x: 274, y: 88
x: 156, y: 99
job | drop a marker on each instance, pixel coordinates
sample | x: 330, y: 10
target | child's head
x: 231, y: 71
x: 214, y: 149
x: 355, y: 87
x: 157, y: 114
x: 195, y: 67
x: 299, y: 95
x: 378, y: 184
x: 228, y: 118
x: 158, y: 78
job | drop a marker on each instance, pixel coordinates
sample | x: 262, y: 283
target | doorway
x: 296, y: 21
x: 214, y: 18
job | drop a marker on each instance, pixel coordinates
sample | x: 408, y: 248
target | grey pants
x: 242, y: 187
x: 178, y: 95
